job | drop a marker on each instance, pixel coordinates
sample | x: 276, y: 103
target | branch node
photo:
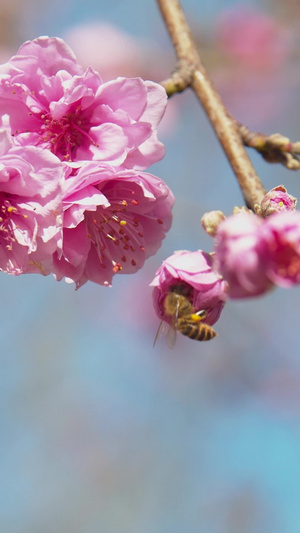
x: 274, y: 148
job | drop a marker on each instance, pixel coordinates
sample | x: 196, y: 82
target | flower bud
x: 243, y: 209
x: 276, y: 200
x: 211, y: 220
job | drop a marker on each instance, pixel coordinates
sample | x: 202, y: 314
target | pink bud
x: 277, y: 199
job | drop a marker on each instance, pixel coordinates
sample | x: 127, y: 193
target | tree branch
x: 274, y: 148
x: 191, y: 73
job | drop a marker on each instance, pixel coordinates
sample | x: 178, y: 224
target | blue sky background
x: 101, y: 433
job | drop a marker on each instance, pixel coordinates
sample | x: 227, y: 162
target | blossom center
x: 66, y: 134
x: 288, y: 263
x: 116, y: 234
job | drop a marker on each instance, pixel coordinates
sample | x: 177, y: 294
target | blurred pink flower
x: 281, y: 233
x: 106, y: 48
x: 206, y: 288
x: 253, y: 253
x: 114, y: 219
x: 52, y: 103
x: 256, y: 39
x: 30, y: 207
x: 240, y: 255
x: 254, y: 77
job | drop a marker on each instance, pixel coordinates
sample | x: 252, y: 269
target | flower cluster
x: 252, y: 254
x: 75, y: 198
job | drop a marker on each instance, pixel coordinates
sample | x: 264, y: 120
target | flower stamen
x: 66, y: 134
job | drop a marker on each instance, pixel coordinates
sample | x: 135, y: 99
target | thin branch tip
x: 191, y: 72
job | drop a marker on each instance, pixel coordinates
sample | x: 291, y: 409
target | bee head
x: 183, y: 288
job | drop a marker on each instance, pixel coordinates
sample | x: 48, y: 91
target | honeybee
x: 184, y: 318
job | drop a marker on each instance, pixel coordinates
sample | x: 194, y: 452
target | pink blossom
x: 114, y: 219
x: 253, y: 37
x: 281, y: 233
x: 113, y: 52
x: 207, y: 289
x: 277, y: 199
x: 240, y: 255
x: 107, y: 48
x: 53, y: 103
x: 30, y: 207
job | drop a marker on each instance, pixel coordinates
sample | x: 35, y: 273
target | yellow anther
x: 10, y: 209
x: 123, y: 222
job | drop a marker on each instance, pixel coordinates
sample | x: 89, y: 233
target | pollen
x: 195, y: 317
x: 123, y: 222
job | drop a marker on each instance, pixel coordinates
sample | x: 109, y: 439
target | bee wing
x: 170, y: 330
x: 160, y: 331
x: 166, y: 329
x: 171, y: 336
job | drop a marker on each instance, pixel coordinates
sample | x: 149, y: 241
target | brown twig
x: 274, y: 148
x: 191, y: 73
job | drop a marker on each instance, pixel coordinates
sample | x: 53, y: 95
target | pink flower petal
x: 240, y: 255
x: 129, y: 94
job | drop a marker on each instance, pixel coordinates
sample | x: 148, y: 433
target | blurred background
x: 99, y: 432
